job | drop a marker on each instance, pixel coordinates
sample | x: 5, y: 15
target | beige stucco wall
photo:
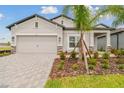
x: 66, y: 22
x: 44, y: 28
x: 68, y: 33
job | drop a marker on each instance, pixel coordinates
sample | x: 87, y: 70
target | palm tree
x: 83, y: 16
x: 84, y: 21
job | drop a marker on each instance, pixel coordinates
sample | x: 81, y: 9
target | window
x: 13, y: 39
x: 36, y: 24
x: 62, y: 22
x: 59, y: 39
x: 73, y: 40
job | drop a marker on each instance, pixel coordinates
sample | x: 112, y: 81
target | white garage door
x: 36, y: 44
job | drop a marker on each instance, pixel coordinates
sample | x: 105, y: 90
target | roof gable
x: 30, y: 17
x: 63, y: 16
x: 101, y: 26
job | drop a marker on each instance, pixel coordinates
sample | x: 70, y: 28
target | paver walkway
x: 25, y: 70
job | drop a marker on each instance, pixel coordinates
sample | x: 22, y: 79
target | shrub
x: 62, y: 62
x: 121, y: 66
x: 75, y: 66
x: 105, y: 61
x: 96, y: 55
x: 66, y: 52
x: 101, y: 49
x: 92, y: 61
x: 90, y: 51
x: 122, y: 52
x: 105, y: 66
x: 119, y: 52
x: 1, y: 54
x: 105, y: 56
x: 4, y: 54
x: 60, y: 66
x: 91, y: 66
x: 114, y: 51
x: 120, y: 61
x: 73, y: 55
x: 82, y: 57
x: 62, y: 56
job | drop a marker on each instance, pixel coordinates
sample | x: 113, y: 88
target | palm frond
x: 113, y: 10
x: 66, y: 9
x: 119, y: 20
x: 82, y: 16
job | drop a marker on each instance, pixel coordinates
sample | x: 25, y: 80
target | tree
x: 84, y: 20
x: 83, y: 16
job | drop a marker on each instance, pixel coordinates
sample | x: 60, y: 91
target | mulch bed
x: 98, y: 70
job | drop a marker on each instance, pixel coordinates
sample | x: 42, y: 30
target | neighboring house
x: 36, y: 34
x: 117, y: 40
x: 4, y: 44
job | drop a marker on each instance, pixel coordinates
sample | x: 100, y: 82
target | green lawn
x: 6, y: 48
x: 88, y: 81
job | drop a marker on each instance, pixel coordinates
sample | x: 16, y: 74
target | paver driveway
x: 25, y: 70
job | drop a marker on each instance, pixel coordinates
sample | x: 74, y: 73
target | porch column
x: 95, y: 43
x: 91, y: 47
x: 108, y: 43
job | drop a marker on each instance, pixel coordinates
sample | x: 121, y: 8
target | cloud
x: 101, y: 16
x: 106, y: 17
x: 49, y: 10
x: 1, y: 16
x: 90, y: 7
x: 96, y: 8
x: 93, y: 9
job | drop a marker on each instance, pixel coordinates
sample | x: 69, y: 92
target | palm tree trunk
x: 87, y: 49
x: 80, y: 51
x: 84, y: 52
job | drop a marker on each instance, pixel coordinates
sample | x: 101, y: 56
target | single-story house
x: 117, y: 40
x: 36, y: 34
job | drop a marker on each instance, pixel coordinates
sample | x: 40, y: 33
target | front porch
x: 94, y: 38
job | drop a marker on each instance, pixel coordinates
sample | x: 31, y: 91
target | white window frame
x: 71, y: 48
x: 36, y: 24
x: 13, y: 39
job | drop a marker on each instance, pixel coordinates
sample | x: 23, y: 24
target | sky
x: 12, y: 13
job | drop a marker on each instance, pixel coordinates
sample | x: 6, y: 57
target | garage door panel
x: 37, y: 44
